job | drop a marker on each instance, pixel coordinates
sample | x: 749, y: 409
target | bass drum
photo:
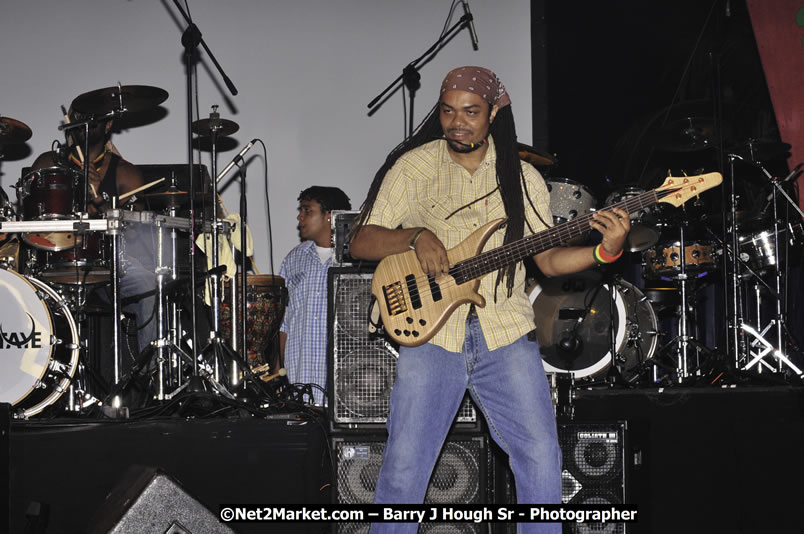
x: 575, y: 315
x: 38, y: 342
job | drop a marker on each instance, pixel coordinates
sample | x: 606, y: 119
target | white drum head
x: 25, y: 337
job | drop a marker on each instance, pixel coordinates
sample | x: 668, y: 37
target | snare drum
x: 665, y: 259
x: 644, y: 222
x: 266, y: 297
x: 38, y: 343
x: 569, y: 199
x: 46, y: 195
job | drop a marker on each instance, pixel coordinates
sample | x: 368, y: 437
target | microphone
x: 234, y: 161
x: 282, y: 372
x: 471, y: 19
x: 570, y: 343
x: 790, y: 177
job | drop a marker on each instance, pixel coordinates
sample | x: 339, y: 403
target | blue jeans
x: 508, y: 385
x: 138, y: 280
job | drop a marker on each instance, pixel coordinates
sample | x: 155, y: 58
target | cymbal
x: 222, y: 127
x: 688, y: 134
x: 537, y: 158
x: 13, y: 131
x: 173, y: 199
x: 127, y: 98
x: 756, y: 150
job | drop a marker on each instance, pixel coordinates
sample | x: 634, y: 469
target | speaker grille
x: 459, y: 477
x: 363, y: 365
x: 593, y: 459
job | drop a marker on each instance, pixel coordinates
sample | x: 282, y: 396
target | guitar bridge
x: 395, y: 298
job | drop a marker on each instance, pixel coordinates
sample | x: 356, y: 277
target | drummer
x: 303, y: 334
x: 110, y: 175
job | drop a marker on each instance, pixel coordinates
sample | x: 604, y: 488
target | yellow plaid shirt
x: 425, y: 186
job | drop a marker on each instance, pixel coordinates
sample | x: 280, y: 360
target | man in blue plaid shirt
x: 303, y: 335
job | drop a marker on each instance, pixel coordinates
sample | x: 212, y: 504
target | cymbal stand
x: 216, y: 345
x: 778, y: 322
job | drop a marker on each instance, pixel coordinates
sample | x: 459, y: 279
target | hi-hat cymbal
x: 756, y: 150
x: 13, y: 131
x: 173, y: 199
x: 222, y: 127
x: 126, y: 98
x: 689, y: 134
x: 537, y: 158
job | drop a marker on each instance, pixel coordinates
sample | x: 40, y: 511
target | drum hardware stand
x: 684, y: 341
x: 80, y: 395
x: 778, y: 321
x: 114, y: 218
x: 164, y: 347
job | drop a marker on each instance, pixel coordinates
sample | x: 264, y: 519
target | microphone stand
x: 410, y: 74
x: 243, y: 268
x: 190, y: 40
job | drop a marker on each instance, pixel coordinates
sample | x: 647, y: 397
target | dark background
x: 620, y: 75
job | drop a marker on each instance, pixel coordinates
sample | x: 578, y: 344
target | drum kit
x: 597, y: 327
x: 53, y: 256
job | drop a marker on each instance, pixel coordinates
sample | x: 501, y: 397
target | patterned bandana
x: 479, y: 81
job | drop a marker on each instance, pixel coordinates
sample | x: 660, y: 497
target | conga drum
x: 266, y: 298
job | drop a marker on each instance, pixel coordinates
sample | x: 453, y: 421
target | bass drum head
x: 641, y: 332
x: 38, y: 344
x: 577, y: 307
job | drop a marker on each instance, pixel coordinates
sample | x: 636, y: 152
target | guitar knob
x: 415, y: 333
x: 407, y: 333
x: 397, y: 331
x: 409, y: 320
x: 422, y: 322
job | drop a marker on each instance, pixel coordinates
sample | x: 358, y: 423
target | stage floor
x: 698, y: 460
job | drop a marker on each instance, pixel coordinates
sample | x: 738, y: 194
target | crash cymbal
x: 688, y: 134
x: 223, y: 127
x: 537, y: 158
x: 173, y: 199
x: 127, y: 98
x: 13, y: 131
x: 756, y: 150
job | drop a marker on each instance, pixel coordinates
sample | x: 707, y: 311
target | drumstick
x: 78, y: 148
x: 135, y: 191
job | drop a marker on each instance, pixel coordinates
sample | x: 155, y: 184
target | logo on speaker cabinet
x: 598, y: 436
x: 356, y: 453
x: 20, y: 340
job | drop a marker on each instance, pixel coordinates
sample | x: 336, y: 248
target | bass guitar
x: 413, y: 307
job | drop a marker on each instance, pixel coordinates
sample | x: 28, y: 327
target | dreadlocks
x: 509, y: 175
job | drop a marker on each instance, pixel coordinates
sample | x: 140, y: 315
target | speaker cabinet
x: 362, y: 365
x: 593, y: 472
x: 147, y: 500
x: 461, y: 476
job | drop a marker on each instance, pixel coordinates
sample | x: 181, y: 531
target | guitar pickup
x: 413, y: 291
x: 395, y: 298
x: 435, y: 289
